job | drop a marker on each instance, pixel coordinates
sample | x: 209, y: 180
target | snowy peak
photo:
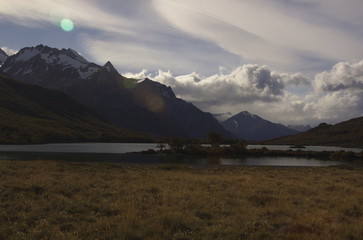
x: 245, y: 114
x: 51, y: 55
x: 3, y: 57
x: 28, y: 59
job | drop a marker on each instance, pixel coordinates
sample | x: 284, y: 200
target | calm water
x: 115, y: 152
x: 306, y: 148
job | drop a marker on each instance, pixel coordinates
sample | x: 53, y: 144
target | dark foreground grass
x: 62, y: 200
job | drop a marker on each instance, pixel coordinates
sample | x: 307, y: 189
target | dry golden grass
x: 63, y: 200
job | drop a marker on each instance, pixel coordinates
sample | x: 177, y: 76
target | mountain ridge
x: 344, y: 134
x: 145, y: 106
x: 250, y: 127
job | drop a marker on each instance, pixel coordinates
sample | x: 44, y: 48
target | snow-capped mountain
x: 145, y: 105
x: 3, y: 57
x: 251, y: 127
x: 41, y: 63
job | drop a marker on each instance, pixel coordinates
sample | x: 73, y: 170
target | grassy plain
x: 64, y: 200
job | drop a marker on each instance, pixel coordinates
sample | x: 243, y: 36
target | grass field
x: 63, y: 200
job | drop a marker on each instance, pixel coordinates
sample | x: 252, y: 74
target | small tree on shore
x: 176, y: 144
x: 214, y: 138
x: 160, y: 146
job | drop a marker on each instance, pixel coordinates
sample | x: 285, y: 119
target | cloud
x: 39, y: 13
x: 283, y: 34
x: 297, y: 79
x: 248, y: 83
x: 336, y: 106
x: 9, y: 51
x: 155, y: 52
x: 266, y: 92
x: 280, y: 37
x: 343, y: 76
x: 128, y: 33
x: 288, y: 35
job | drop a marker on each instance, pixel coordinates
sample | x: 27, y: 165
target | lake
x: 115, y: 152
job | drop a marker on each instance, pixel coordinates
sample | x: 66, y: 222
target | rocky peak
x: 162, y: 89
x: 245, y: 114
x: 109, y: 67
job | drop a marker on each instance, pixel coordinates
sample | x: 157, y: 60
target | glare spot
x: 155, y: 104
x: 67, y: 25
x: 129, y: 83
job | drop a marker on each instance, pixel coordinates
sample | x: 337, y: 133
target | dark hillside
x: 344, y: 134
x: 32, y: 114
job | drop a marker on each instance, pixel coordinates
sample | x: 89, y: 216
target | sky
x: 288, y: 61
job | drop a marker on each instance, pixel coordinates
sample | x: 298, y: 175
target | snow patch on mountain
x: 26, y: 54
x: 86, y: 72
x: 64, y: 59
x: 248, y: 114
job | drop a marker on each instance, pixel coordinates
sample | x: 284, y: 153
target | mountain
x: 145, y: 106
x: 3, y: 57
x: 32, y: 114
x: 345, y: 134
x: 251, y: 127
x: 300, y: 128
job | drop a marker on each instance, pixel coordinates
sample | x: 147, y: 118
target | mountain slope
x: 145, y: 106
x: 345, y: 134
x: 251, y: 127
x: 32, y: 114
x: 3, y: 56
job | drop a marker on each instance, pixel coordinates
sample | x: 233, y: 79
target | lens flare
x: 67, y: 24
x: 129, y: 83
x: 155, y: 104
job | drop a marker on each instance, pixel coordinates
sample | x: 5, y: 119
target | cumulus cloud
x: 343, y: 75
x: 336, y: 106
x: 266, y: 92
x: 248, y: 83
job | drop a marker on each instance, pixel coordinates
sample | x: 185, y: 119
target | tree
x: 176, y: 144
x: 160, y: 146
x: 214, y: 138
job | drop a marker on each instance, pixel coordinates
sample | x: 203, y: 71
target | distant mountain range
x: 299, y: 128
x: 77, y: 100
x: 251, y: 127
x: 32, y: 114
x: 145, y: 106
x: 345, y: 134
